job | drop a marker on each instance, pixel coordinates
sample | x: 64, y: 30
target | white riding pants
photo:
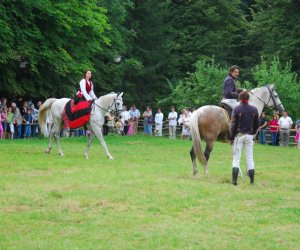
x: 240, y: 141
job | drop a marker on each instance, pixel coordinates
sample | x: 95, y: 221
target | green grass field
x: 146, y: 198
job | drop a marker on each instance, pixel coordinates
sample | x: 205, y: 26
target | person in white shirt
x: 86, y: 91
x: 135, y: 115
x: 186, y: 124
x: 172, y: 117
x: 125, y: 118
x: 285, y: 124
x: 159, y: 117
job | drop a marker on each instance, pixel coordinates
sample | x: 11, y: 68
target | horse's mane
x: 105, y: 98
x: 265, y: 86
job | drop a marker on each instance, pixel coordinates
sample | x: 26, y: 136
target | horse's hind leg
x: 57, y: 138
x: 48, y: 150
x: 90, y: 139
x: 208, y: 149
x: 193, y: 157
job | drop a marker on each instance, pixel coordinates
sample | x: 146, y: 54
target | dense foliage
x: 46, y: 45
x: 204, y: 86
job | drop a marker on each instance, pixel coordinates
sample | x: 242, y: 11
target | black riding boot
x: 251, y: 175
x: 235, y: 173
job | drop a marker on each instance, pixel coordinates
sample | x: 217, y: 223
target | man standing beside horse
x: 244, y: 125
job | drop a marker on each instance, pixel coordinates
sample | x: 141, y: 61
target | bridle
x: 108, y: 109
x: 271, y: 91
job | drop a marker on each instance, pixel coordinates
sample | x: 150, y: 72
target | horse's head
x: 110, y: 103
x: 118, y: 106
x: 274, y: 101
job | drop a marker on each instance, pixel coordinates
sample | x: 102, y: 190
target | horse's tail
x: 44, y: 112
x: 194, y: 129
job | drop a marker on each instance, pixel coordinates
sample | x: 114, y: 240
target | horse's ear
x: 120, y: 94
x: 271, y: 86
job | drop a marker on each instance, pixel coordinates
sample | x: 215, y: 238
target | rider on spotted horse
x: 78, y: 111
x: 230, y: 91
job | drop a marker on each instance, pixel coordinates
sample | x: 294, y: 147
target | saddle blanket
x: 75, y: 116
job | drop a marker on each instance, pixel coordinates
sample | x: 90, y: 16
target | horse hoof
x: 61, y: 154
x: 47, y: 151
x: 110, y: 157
x: 86, y: 156
x: 195, y: 173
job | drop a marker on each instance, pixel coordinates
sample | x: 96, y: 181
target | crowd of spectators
x: 280, y: 129
x: 19, y: 119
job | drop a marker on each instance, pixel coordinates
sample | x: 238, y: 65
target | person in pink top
x: 274, y: 127
x: 3, y: 117
x: 130, y: 129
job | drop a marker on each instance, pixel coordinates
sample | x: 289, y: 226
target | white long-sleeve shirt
x: 159, y: 117
x: 172, y: 118
x: 125, y: 114
x: 87, y: 96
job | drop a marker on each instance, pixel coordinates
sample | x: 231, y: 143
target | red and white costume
x: 86, y: 90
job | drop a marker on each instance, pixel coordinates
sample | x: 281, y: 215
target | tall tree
x: 276, y: 30
x: 48, y: 44
x: 173, y: 35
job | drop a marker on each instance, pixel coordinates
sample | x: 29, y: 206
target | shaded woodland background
x: 173, y: 52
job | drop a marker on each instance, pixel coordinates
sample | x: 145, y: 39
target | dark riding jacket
x: 230, y: 91
x: 244, y: 120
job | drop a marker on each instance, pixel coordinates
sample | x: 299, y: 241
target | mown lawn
x: 146, y: 198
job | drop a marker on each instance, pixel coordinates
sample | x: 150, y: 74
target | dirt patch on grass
x: 15, y: 208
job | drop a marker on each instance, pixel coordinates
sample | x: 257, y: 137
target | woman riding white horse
x: 55, y: 107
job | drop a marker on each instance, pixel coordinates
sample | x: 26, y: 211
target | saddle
x: 76, y: 115
x: 227, y: 108
x: 228, y: 105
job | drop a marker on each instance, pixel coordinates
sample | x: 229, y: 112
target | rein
x: 116, y: 111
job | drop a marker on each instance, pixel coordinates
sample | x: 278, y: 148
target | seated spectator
x: 111, y: 122
x: 119, y: 127
x: 274, y: 128
x: 125, y: 119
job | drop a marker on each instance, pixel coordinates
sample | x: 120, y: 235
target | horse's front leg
x: 99, y: 135
x: 89, y: 141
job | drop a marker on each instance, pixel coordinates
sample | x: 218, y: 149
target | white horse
x: 212, y: 123
x: 55, y: 107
